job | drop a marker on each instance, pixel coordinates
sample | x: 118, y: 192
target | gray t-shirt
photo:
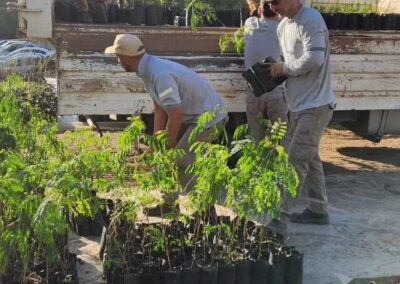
x: 261, y: 40
x: 304, y: 41
x: 171, y: 84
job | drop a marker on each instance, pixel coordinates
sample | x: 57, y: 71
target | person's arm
x: 170, y: 101
x: 160, y: 118
x: 174, y: 124
x: 315, y: 46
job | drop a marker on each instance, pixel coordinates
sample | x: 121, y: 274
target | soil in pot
x: 278, y: 268
x: 190, y: 276
x: 208, y: 275
x: 261, y: 272
x: 172, y: 277
x: 226, y: 274
x: 294, y: 269
x: 243, y: 272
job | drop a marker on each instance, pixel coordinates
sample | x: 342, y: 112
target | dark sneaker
x: 310, y: 217
x: 277, y: 226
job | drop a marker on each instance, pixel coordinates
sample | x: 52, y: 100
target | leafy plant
x: 201, y: 11
x: 236, y: 41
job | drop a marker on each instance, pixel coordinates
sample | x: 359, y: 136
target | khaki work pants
x: 270, y: 106
x: 306, y: 129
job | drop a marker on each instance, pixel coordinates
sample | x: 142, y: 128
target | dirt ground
x: 363, y: 184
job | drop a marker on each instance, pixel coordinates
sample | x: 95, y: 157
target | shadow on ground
x: 383, y: 155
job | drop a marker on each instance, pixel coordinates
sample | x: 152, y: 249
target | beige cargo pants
x: 306, y: 129
x: 270, y: 106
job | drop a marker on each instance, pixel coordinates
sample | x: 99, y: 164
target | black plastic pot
x: 152, y: 15
x: 378, y: 22
x: 97, y: 224
x: 325, y: 16
x: 278, y: 268
x: 396, y: 22
x: 365, y: 22
x: 100, y: 13
x: 190, y: 276
x: 344, y: 18
x: 261, y: 272
x: 113, y: 13
x: 243, y: 272
x: 171, y: 277
x: 208, y: 275
x: 353, y: 22
x: 150, y: 278
x: 294, y: 268
x: 137, y: 16
x: 161, y: 15
x: 131, y: 278
x: 82, y: 226
x: 333, y: 21
x: 226, y: 274
x: 114, y: 276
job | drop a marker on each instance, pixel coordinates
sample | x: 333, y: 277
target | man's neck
x: 294, y: 10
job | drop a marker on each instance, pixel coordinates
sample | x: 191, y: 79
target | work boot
x: 310, y: 217
x: 277, y: 226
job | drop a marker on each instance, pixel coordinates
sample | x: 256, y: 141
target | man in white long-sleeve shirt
x: 304, y: 42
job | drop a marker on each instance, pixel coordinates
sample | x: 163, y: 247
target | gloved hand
x: 277, y: 70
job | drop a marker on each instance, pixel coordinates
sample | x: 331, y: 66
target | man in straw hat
x: 179, y: 94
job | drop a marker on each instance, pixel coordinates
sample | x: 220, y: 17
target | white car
x: 10, y: 46
x: 25, y: 50
x: 20, y: 63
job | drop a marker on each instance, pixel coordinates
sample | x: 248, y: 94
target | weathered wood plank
x: 97, y: 103
x: 363, y: 63
x: 223, y: 83
x: 180, y: 40
x: 365, y: 67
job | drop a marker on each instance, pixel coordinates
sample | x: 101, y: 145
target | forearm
x: 174, y: 125
x: 160, y: 119
x: 306, y: 63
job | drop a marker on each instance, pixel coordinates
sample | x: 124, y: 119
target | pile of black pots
x: 39, y: 271
x: 130, y: 259
x: 355, y: 21
x: 148, y: 15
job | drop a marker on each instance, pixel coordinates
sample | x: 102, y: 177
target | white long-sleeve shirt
x: 304, y: 42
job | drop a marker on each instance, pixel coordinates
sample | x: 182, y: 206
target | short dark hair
x: 267, y: 11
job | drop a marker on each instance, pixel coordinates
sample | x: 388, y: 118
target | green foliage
x: 236, y: 41
x: 201, y: 12
x: 36, y: 94
x: 255, y: 184
x: 42, y: 178
x: 346, y: 8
